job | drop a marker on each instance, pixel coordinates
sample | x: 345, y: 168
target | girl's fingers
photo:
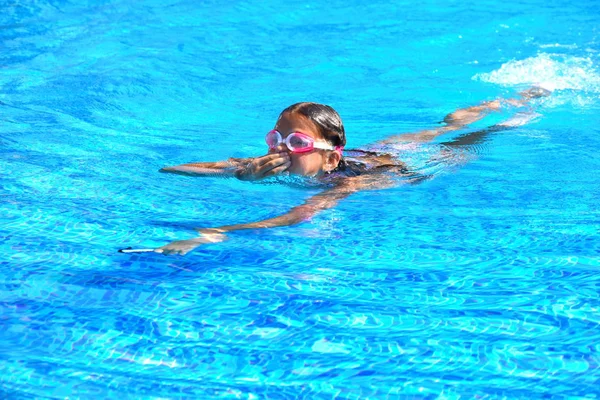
x: 260, y: 166
x: 274, y: 164
x: 261, y: 161
x: 258, y: 163
x: 278, y: 170
x: 168, y: 252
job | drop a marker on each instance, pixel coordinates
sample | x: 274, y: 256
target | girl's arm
x: 296, y: 215
x: 221, y: 168
x: 311, y: 207
x: 246, y: 169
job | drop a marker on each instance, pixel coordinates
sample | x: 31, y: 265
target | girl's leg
x: 462, y: 118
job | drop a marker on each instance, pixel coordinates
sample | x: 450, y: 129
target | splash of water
x: 550, y: 71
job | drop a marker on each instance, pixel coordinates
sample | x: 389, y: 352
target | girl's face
x: 312, y: 163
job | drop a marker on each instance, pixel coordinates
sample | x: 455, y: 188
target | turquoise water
x: 482, y: 282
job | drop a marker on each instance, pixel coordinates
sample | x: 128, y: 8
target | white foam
x: 550, y: 71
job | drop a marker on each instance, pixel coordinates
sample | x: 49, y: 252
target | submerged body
x: 308, y: 140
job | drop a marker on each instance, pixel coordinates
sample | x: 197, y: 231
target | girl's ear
x: 332, y: 161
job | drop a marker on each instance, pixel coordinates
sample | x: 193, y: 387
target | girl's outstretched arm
x: 246, y: 169
x: 217, y: 168
x: 322, y: 201
x: 296, y: 215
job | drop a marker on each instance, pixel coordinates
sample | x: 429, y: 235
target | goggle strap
x: 339, y: 149
x: 323, y: 146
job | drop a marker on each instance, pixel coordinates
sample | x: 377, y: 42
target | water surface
x: 480, y: 282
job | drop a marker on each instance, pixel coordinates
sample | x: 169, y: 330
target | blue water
x: 482, y: 282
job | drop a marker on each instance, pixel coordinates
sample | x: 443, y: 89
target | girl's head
x: 324, y: 125
x: 327, y: 120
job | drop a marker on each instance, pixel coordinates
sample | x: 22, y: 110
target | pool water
x: 482, y: 282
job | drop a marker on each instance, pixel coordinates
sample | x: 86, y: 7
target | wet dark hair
x: 324, y: 117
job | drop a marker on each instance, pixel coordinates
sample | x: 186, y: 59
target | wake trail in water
x: 549, y: 71
x: 573, y: 79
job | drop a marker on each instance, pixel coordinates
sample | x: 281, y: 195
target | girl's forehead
x: 292, y: 122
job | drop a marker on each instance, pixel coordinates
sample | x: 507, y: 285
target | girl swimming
x: 308, y: 140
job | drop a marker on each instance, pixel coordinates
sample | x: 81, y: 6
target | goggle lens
x: 295, y: 142
x: 273, y: 139
x: 299, y: 143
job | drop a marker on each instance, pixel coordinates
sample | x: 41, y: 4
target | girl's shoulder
x: 359, y: 162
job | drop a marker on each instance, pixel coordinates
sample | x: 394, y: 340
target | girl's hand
x: 182, y: 247
x: 263, y: 167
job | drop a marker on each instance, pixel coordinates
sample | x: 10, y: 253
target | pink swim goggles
x: 298, y: 142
